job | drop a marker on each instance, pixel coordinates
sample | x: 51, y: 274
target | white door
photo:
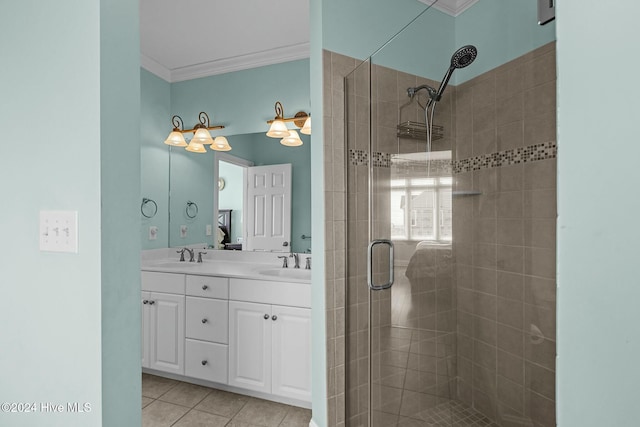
x: 269, y: 208
x: 166, y: 332
x: 291, y: 350
x: 250, y: 346
x: 145, y: 328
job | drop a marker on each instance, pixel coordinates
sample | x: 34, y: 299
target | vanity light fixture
x: 279, y: 129
x: 201, y: 135
x: 292, y: 140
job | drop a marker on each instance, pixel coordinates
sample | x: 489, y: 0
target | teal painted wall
x: 191, y: 181
x: 318, y: 311
x: 155, y: 125
x: 598, y: 292
x: 119, y: 216
x: 358, y: 28
x: 243, y: 101
x: 502, y: 30
x: 59, y: 341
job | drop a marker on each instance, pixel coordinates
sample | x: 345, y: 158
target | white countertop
x: 241, y: 266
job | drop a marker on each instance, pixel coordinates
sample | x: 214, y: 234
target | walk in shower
x: 449, y: 299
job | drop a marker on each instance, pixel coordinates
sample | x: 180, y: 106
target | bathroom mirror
x: 194, y: 189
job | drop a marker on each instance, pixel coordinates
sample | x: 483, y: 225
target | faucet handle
x: 307, y: 265
x: 285, y: 264
x: 200, y: 256
x: 181, y: 252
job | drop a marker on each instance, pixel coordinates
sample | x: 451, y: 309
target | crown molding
x: 155, y: 68
x: 227, y: 65
x: 450, y: 7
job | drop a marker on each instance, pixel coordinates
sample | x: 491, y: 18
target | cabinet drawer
x: 208, y: 286
x: 268, y: 292
x: 207, y: 319
x: 162, y: 282
x: 205, y: 360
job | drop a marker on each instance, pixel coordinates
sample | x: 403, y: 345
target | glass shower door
x: 400, y: 302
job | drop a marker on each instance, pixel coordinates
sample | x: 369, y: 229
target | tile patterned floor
x: 167, y: 402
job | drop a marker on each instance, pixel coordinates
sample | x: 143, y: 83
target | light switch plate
x: 183, y: 231
x: 59, y: 231
x: 153, y: 232
x: 209, y: 230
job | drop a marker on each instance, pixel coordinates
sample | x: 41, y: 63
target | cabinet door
x: 250, y: 346
x: 291, y: 350
x: 166, y: 332
x: 145, y: 328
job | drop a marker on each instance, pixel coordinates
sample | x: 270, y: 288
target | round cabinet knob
x: 274, y: 317
x: 151, y: 302
x: 204, y: 320
x: 205, y: 287
x: 204, y: 362
x: 145, y: 301
x: 266, y: 317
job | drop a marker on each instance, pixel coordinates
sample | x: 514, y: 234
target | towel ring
x: 190, y: 206
x: 144, y: 203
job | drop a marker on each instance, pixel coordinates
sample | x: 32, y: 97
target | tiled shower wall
x: 504, y: 240
x: 501, y: 128
x: 335, y: 68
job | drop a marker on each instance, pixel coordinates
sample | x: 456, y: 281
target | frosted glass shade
x: 196, y: 147
x: 220, y: 144
x: 202, y: 136
x: 176, y: 139
x: 278, y: 129
x: 293, y: 140
x: 306, y: 129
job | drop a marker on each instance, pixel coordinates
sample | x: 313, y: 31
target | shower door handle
x: 387, y: 285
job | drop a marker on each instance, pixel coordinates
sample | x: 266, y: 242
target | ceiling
x: 187, y: 39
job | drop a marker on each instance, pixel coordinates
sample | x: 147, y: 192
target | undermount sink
x: 294, y: 273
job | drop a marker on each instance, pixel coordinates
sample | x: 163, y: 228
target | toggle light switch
x: 59, y: 231
x: 183, y: 231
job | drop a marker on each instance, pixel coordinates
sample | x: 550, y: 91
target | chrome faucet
x: 181, y: 252
x: 285, y: 264
x: 296, y: 260
x: 200, y: 256
x: 307, y: 265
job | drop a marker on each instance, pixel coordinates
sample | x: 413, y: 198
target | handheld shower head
x: 464, y: 56
x: 461, y: 58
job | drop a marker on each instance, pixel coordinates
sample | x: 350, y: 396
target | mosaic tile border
x: 531, y: 153
x: 358, y: 157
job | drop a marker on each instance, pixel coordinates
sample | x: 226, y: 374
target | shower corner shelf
x: 465, y: 193
x: 417, y: 130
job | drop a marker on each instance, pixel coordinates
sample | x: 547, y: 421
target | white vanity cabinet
x: 207, y: 328
x: 243, y: 334
x: 269, y: 343
x: 163, y: 305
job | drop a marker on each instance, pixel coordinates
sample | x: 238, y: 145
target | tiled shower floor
x: 447, y: 414
x: 456, y: 414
